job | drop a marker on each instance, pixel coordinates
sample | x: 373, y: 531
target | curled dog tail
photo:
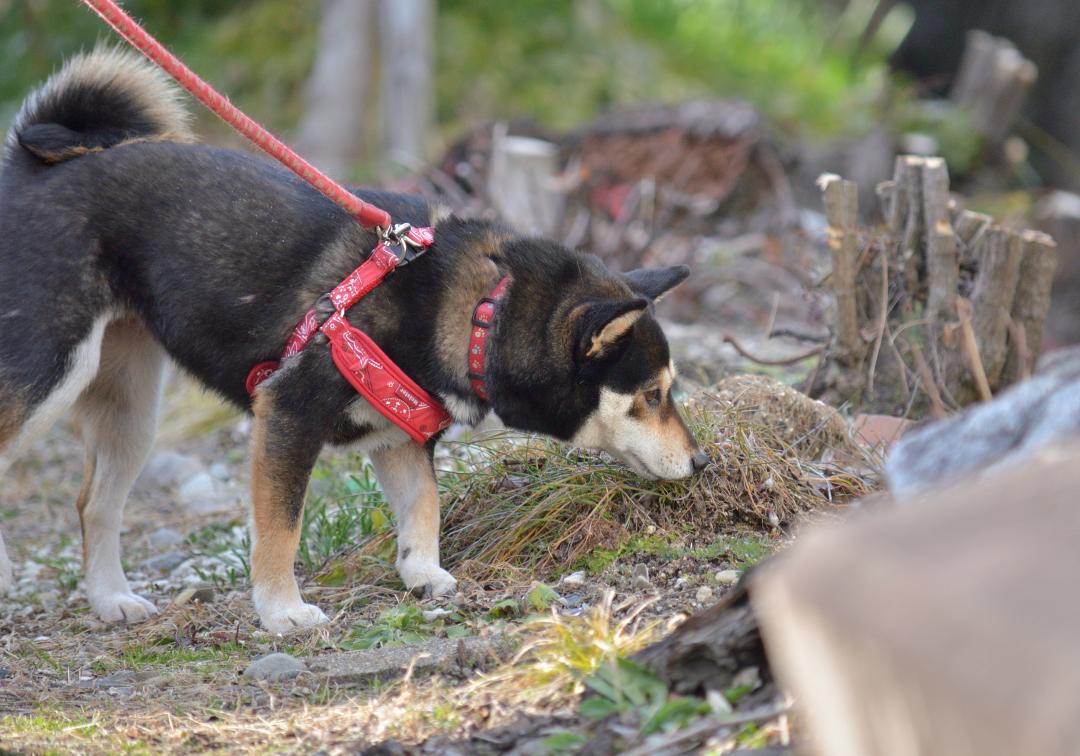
x: 96, y: 101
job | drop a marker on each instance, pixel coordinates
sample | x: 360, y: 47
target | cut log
x: 995, y: 290
x: 991, y: 84
x: 842, y: 215
x: 942, y: 262
x: 522, y: 182
x: 1031, y: 304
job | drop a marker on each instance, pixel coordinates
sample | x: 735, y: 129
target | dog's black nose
x: 700, y: 459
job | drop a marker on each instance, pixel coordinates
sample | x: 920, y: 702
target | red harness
x: 364, y: 365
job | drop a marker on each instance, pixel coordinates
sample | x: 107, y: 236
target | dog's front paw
x: 285, y: 619
x: 122, y: 606
x: 427, y: 581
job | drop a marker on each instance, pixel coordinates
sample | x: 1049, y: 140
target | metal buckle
x: 398, y: 236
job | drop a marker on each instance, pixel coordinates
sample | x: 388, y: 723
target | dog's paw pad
x: 123, y: 607
x: 292, y: 618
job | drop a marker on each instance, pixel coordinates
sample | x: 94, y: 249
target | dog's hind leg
x: 408, y: 480
x: 33, y: 399
x: 285, y: 442
x: 117, y: 418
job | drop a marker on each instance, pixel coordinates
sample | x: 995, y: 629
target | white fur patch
x: 463, y: 410
x: 612, y: 429
x: 383, y: 434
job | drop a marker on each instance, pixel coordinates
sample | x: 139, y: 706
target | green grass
x: 739, y: 551
x: 402, y: 625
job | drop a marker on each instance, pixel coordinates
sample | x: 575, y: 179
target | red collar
x: 483, y: 317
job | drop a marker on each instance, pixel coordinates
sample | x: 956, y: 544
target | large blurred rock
x: 1006, y: 431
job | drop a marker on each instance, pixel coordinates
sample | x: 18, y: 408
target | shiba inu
x: 124, y: 243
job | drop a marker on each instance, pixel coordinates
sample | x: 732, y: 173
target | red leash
x: 128, y: 28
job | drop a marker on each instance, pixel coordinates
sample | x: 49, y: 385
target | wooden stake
x: 842, y: 213
x: 1032, y: 301
x: 995, y: 290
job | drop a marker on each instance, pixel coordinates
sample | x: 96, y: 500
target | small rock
x: 640, y: 579
x: 199, y: 486
x: 202, y: 592
x: 220, y: 471
x: 574, y: 578
x: 164, y: 538
x: 572, y: 601
x: 167, y: 468
x: 728, y: 577
x: 681, y: 583
x: 430, y: 615
x: 748, y: 676
x: 166, y: 562
x: 275, y: 667
x: 703, y: 595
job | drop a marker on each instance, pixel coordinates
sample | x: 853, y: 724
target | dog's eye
x: 652, y: 398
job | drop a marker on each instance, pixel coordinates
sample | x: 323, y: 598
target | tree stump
x: 937, y: 308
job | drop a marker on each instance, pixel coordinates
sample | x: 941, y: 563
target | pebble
x: 167, y: 468
x: 704, y: 594
x: 728, y: 577
x: 164, y: 538
x: 202, y: 592
x: 275, y: 667
x: 199, y: 486
x: 640, y: 578
x: 166, y: 562
x: 574, y: 578
x: 681, y: 583
x: 220, y: 471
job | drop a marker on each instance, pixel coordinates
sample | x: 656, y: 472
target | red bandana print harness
x: 363, y: 364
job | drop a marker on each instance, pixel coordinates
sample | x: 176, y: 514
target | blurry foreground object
x: 944, y: 628
x: 1007, y: 431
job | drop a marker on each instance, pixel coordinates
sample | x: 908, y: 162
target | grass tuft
x: 533, y: 505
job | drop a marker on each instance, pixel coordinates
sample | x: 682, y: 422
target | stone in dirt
x: 164, y: 538
x: 168, y: 468
x: 275, y: 667
x: 358, y: 667
x: 728, y: 577
x: 166, y: 562
x: 202, y: 592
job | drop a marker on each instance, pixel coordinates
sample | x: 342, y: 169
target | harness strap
x: 483, y: 316
x: 382, y: 383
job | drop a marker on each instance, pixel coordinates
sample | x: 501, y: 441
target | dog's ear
x: 602, y: 324
x: 654, y: 283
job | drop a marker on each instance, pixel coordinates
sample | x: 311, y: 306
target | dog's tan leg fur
x: 408, y: 480
x: 278, y: 484
x: 116, y: 415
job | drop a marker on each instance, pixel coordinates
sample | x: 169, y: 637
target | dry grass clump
x: 533, y: 504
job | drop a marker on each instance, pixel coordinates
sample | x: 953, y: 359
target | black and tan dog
x: 123, y: 243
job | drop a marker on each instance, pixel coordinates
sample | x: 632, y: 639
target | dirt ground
x: 69, y: 683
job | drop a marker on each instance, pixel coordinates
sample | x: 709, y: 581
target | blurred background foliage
x: 557, y: 61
